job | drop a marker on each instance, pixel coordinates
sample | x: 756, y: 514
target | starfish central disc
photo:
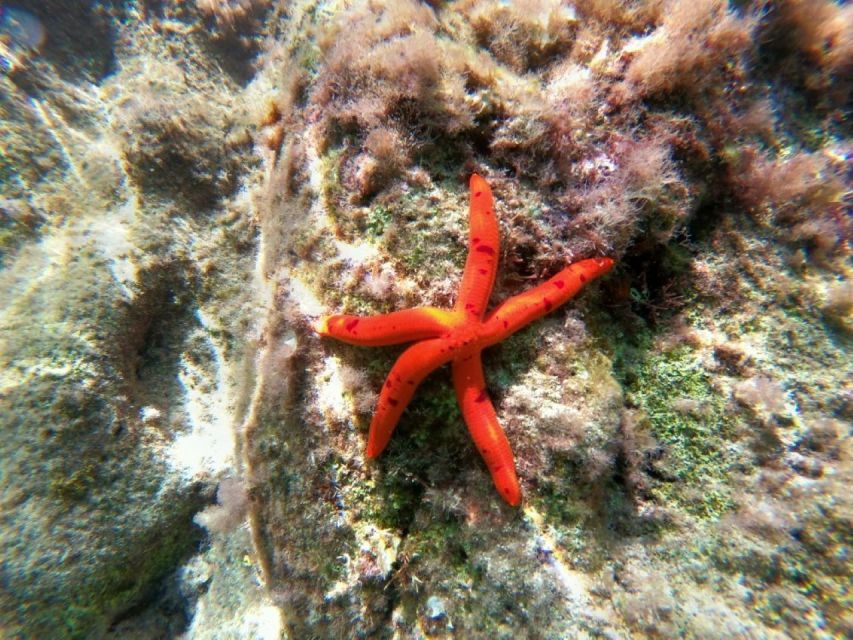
x: 458, y: 336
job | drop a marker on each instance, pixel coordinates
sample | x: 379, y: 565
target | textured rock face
x: 181, y: 202
x: 87, y: 500
x: 646, y: 421
x: 113, y: 368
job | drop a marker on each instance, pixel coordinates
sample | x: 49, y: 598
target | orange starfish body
x: 458, y: 336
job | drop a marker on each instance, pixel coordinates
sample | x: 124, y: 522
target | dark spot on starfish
x: 484, y: 248
x: 488, y: 212
x: 469, y: 306
x: 350, y: 325
x: 388, y: 384
x: 482, y: 397
x: 583, y: 278
x: 478, y: 194
x: 475, y: 240
x: 411, y: 382
x: 506, y: 324
x: 548, y: 304
x: 483, y: 271
x: 559, y: 284
x: 392, y: 402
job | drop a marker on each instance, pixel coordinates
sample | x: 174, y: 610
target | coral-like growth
x: 385, y: 158
x: 377, y: 57
x: 641, y: 183
x: 232, y: 502
x: 801, y: 194
x: 764, y: 396
x: 523, y: 35
x: 694, y: 40
x: 820, y: 29
x: 228, y: 13
x: 786, y: 184
x: 636, y: 16
x: 838, y: 304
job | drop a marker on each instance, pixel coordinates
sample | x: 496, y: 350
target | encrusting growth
x: 458, y: 336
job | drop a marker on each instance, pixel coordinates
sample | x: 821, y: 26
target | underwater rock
x: 171, y: 229
x: 113, y: 384
x: 21, y: 36
x: 21, y: 30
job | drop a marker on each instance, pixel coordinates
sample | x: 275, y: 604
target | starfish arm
x: 483, y: 425
x: 526, y: 307
x: 413, y: 365
x: 478, y: 278
x: 407, y: 325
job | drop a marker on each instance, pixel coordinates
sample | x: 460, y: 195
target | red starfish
x: 458, y: 336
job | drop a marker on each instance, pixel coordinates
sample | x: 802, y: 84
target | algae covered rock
x: 183, y: 456
x: 112, y: 403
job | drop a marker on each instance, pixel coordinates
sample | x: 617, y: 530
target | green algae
x: 379, y: 218
x: 695, y: 444
x: 421, y: 240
